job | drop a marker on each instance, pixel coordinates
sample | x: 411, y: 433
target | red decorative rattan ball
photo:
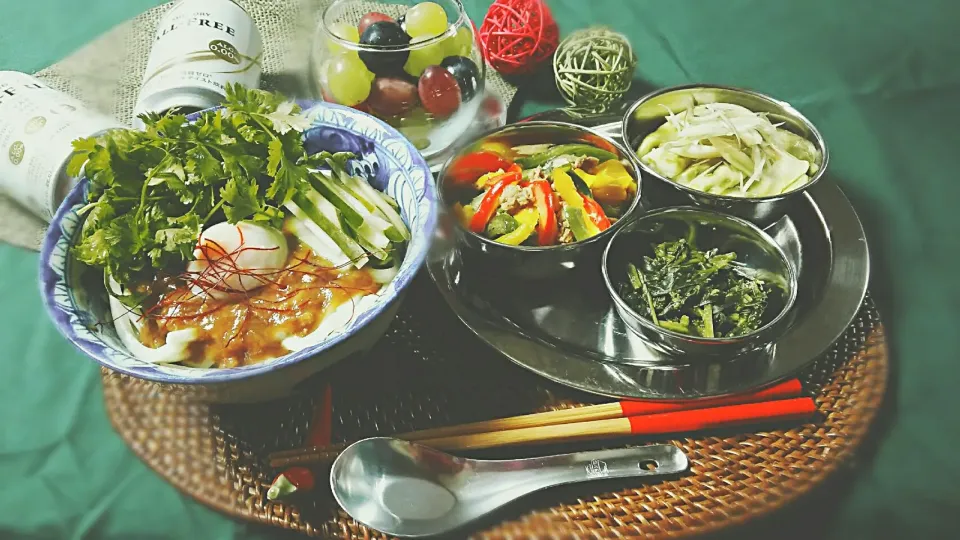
x: 518, y: 35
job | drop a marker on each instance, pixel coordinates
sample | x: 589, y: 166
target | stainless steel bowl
x: 649, y: 112
x: 755, y: 249
x: 536, y: 262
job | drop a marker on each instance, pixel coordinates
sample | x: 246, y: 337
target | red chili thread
x: 223, y: 264
x: 226, y: 265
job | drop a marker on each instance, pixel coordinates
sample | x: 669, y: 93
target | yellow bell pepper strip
x: 546, y: 211
x: 491, y: 177
x: 563, y: 185
x: 613, y: 172
x: 488, y: 205
x: 488, y: 179
x: 612, y: 195
x: 610, y: 184
x: 463, y: 213
x: 527, y: 218
x: 588, y: 179
x: 608, y: 173
x: 595, y: 213
x: 499, y: 148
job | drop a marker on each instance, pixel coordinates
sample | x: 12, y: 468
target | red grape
x: 391, y: 96
x: 363, y: 107
x: 372, y: 17
x: 439, y: 92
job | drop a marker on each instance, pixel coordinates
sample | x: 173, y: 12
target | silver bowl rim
x: 627, y: 214
x: 792, y: 278
x: 816, y: 136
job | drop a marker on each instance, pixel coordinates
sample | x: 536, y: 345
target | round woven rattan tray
x: 429, y: 371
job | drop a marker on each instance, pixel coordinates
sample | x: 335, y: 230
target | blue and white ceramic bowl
x: 78, y: 304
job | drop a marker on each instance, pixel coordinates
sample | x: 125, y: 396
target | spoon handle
x: 653, y: 460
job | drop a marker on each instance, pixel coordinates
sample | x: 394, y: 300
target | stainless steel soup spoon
x: 404, y: 489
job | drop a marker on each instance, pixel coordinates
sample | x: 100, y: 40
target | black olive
x: 465, y: 71
x: 389, y: 36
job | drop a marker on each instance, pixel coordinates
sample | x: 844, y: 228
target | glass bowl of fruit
x: 416, y: 65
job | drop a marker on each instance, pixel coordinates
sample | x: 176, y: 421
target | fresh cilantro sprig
x: 152, y: 191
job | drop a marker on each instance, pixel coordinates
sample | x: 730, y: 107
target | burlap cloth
x: 106, y: 74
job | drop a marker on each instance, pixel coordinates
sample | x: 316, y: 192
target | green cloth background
x: 880, y: 78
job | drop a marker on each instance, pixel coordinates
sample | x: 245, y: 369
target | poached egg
x: 237, y: 258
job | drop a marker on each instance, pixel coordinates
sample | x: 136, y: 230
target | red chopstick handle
x: 791, y: 388
x: 729, y: 415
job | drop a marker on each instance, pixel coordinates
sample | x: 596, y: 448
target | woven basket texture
x: 429, y: 371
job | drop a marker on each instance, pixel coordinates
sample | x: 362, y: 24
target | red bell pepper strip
x: 490, y: 201
x: 547, y: 209
x: 474, y: 165
x: 595, y: 213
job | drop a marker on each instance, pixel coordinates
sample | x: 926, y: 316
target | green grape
x: 348, y: 79
x: 460, y: 44
x: 426, y: 19
x: 416, y: 127
x: 464, y: 41
x: 421, y: 59
x: 342, y: 30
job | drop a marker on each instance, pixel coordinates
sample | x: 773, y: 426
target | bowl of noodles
x: 237, y: 251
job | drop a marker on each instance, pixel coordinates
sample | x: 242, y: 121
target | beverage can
x: 37, y: 128
x: 200, y: 47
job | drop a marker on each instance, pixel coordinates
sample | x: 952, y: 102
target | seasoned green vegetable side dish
x: 700, y: 293
x: 729, y: 150
x: 540, y: 194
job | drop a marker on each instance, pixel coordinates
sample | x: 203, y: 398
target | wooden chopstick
x: 652, y: 424
x: 576, y: 416
x: 605, y: 411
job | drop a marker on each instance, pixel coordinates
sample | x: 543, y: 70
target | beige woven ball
x: 594, y: 68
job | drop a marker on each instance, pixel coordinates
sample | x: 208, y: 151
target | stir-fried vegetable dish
x: 700, y: 293
x: 726, y: 149
x: 540, y: 194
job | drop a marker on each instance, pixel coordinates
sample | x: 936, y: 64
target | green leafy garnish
x: 151, y: 192
x: 702, y: 293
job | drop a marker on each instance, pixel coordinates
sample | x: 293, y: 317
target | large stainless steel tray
x: 567, y: 330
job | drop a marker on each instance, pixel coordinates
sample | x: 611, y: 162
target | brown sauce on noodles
x: 248, y: 328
